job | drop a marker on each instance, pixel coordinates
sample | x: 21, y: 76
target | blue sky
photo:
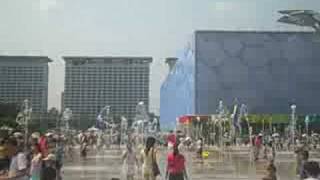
x: 157, y: 28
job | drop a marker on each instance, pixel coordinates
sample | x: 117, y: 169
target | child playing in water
x: 130, y: 160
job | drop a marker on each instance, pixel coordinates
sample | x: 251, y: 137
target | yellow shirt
x: 3, y: 152
x: 147, y: 165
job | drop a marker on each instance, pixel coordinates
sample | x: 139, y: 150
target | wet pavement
x: 223, y: 165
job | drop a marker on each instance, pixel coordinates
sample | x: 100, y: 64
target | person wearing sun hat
x: 51, y: 157
x: 49, y: 170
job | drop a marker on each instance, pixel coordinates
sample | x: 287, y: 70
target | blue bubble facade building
x: 266, y: 70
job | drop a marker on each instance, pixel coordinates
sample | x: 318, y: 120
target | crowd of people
x: 176, y: 162
x: 147, y: 160
x: 41, y: 155
x: 38, y: 157
x: 269, y: 145
x: 302, y: 145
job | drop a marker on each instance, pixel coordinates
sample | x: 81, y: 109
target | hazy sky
x: 157, y: 28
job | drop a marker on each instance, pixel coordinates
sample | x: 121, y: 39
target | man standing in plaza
x: 258, y: 146
x: 171, y: 139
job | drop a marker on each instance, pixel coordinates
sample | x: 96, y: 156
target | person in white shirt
x: 199, y: 144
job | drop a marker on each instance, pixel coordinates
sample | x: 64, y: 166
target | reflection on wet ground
x: 226, y: 166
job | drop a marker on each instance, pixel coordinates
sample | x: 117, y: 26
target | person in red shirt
x: 176, y: 165
x: 43, y: 144
x: 171, y: 139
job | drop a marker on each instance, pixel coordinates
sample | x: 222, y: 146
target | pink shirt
x: 175, y: 163
x: 43, y: 146
x: 258, y: 141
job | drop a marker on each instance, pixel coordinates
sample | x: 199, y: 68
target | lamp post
x: 198, y: 127
x: 221, y: 115
x: 307, y: 120
x: 109, y: 120
x: 142, y: 117
x: 66, y: 116
x: 27, y: 110
x: 293, y: 122
x: 123, y: 130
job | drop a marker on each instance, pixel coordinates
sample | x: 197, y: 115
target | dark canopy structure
x: 308, y: 18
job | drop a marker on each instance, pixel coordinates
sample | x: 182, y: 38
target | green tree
x: 53, y: 119
x: 8, y: 113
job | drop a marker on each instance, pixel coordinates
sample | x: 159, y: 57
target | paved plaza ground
x: 221, y: 165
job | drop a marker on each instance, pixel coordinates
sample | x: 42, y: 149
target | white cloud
x: 223, y: 6
x: 45, y: 5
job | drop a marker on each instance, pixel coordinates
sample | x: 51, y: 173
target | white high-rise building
x: 92, y: 83
x: 25, y: 77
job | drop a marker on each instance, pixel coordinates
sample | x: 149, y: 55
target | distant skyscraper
x: 25, y: 77
x: 62, y: 102
x: 92, y: 83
